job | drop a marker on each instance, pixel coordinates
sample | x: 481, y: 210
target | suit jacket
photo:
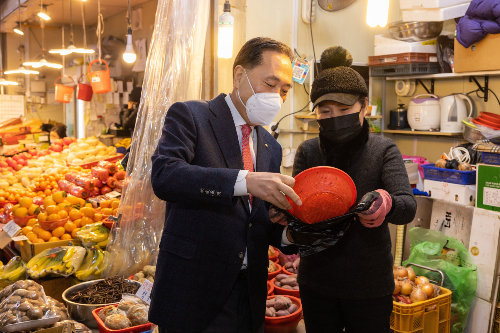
x: 207, y: 230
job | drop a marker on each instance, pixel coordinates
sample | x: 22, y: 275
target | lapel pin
x: 266, y: 145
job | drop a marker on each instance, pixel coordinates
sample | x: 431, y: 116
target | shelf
x: 373, y: 117
x: 423, y: 133
x: 443, y: 75
x: 295, y: 131
x: 301, y: 116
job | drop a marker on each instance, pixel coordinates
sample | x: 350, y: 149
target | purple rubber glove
x: 375, y: 216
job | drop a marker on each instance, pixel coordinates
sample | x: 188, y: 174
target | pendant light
x: 43, y: 12
x: 21, y: 69
x: 18, y: 29
x: 377, y: 13
x: 226, y: 29
x: 43, y: 62
x: 71, y: 48
x: 129, y: 56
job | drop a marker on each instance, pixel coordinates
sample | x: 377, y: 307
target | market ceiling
x: 9, y: 15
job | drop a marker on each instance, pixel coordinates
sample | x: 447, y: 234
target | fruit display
x: 286, y: 281
x: 410, y: 288
x: 280, y: 306
x: 272, y: 267
x: 93, y: 234
x: 14, y: 270
x: 148, y: 273
x: 93, y: 264
x: 88, y: 150
x: 62, y: 261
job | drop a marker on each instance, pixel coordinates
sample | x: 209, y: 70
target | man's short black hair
x: 250, y: 55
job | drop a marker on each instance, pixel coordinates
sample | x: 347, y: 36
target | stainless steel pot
x: 415, y: 31
x: 83, y: 312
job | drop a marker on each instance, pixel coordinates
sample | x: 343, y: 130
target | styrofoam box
x: 483, y: 249
x: 415, y: 4
x: 460, y: 194
x: 387, y: 40
x: 435, y: 14
x: 385, y: 44
x: 453, y: 220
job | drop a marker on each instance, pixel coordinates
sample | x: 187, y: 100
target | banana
x: 69, y: 254
x: 103, y: 243
x: 38, y: 263
x: 19, y: 273
x: 97, y: 259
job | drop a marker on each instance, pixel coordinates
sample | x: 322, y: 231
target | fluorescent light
x: 43, y: 16
x: 17, y: 31
x: 22, y: 70
x: 4, y: 82
x: 72, y: 49
x: 226, y: 29
x: 377, y: 13
x: 42, y: 63
x: 129, y: 56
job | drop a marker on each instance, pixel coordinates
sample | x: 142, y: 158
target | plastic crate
x: 401, y: 58
x: 449, y: 175
x: 431, y: 316
x: 104, y: 329
x: 491, y: 158
x: 405, y: 69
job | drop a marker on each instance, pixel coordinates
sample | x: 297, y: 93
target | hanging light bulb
x: 377, y: 13
x: 42, y: 63
x: 226, y: 28
x: 129, y: 56
x: 43, y: 13
x: 71, y: 48
x: 22, y: 70
x: 18, y: 29
x: 4, y: 82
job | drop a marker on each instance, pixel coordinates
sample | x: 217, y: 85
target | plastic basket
x: 401, y: 58
x: 405, y: 69
x: 491, y: 158
x: 104, y: 329
x: 449, y: 175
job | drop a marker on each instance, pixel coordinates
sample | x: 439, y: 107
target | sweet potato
x: 282, y: 313
x: 284, y: 298
x: 280, y: 304
x: 289, y: 265
x: 277, y: 283
x: 296, y: 288
x: 269, y: 303
x: 270, y: 312
x: 292, y: 308
x: 290, y: 281
x: 286, y: 287
x: 280, y: 277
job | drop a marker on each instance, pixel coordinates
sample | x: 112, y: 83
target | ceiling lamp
x: 71, y: 48
x: 226, y: 29
x: 43, y: 12
x: 18, y: 29
x: 4, y: 82
x: 377, y: 13
x: 43, y: 62
x: 129, y: 56
x: 22, y: 70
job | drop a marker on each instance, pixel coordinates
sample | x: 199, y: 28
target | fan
x: 335, y: 5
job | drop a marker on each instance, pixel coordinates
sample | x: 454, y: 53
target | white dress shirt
x: 240, y: 187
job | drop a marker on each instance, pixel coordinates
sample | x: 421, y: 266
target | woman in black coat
x: 350, y: 284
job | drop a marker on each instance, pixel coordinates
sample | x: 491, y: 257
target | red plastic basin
x: 286, y: 320
x: 283, y: 328
x: 104, y: 329
x: 271, y: 276
x: 270, y: 288
x: 285, y: 292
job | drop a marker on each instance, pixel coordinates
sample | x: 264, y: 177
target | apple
x: 33, y: 152
x: 67, y: 141
x: 57, y: 148
x: 16, y: 157
x: 27, y: 156
x: 3, y: 164
x: 18, y: 167
x: 22, y: 162
x: 11, y: 163
x: 59, y: 142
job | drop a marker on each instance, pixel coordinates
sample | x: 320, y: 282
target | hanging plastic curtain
x: 173, y: 74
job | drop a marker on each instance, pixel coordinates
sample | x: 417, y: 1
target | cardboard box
x: 488, y: 187
x: 28, y: 250
x: 54, y: 287
x: 481, y: 56
x: 460, y: 194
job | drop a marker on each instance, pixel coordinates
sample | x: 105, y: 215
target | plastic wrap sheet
x: 173, y: 74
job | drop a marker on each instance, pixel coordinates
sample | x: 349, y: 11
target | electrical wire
x: 275, y: 126
x: 307, y: 92
x: 479, y: 90
x: 312, y: 39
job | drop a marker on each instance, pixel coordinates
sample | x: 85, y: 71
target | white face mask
x: 262, y: 108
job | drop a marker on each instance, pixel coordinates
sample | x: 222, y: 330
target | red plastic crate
x: 104, y: 329
x: 401, y: 58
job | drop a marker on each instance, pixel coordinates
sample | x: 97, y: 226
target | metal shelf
x: 443, y: 75
x: 423, y: 133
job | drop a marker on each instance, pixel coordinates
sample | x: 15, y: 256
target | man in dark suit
x: 216, y: 168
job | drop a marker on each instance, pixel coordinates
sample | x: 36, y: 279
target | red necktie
x: 245, y: 149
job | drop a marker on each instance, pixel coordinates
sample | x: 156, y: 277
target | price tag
x: 144, y: 291
x: 19, y: 238
x: 12, y: 229
x: 112, y: 194
x: 300, y: 70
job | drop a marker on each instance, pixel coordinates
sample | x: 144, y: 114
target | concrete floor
x: 301, y: 328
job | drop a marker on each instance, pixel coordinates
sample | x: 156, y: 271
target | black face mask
x: 341, y: 129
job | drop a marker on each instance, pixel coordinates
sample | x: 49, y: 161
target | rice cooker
x: 424, y: 113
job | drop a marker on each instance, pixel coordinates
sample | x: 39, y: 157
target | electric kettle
x: 454, y: 110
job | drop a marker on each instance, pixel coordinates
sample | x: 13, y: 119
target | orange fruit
x: 73, y: 233
x: 88, y: 211
x: 107, y: 211
x: 42, y: 217
x: 33, y: 209
x: 63, y: 214
x: 26, y: 230
x: 86, y: 220
x: 43, y: 184
x: 78, y: 223
x: 58, y: 232
x: 38, y: 240
x: 37, y: 230
x: 52, y: 209
x: 74, y: 214
x: 11, y: 198
x: 81, y: 202
x: 59, y: 196
x: 105, y: 204
x: 21, y: 212
x: 54, y: 239
x: 73, y: 200
x: 31, y: 236
x: 48, y: 202
x: 66, y: 237
x: 88, y: 204
x: 115, y: 212
x: 31, y: 222
x: 98, y: 217
x: 45, y: 235
x: 115, y: 204
x: 25, y: 202
x: 69, y: 226
x: 53, y: 217
x: 64, y: 206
